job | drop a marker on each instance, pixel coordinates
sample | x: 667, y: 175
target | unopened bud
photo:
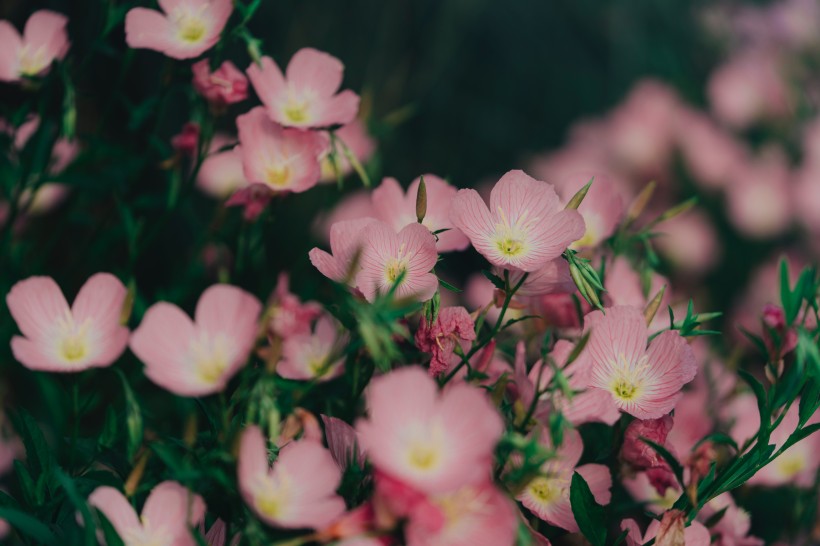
x: 578, y: 198
x: 652, y: 307
x: 676, y: 210
x: 421, y: 201
x: 640, y: 202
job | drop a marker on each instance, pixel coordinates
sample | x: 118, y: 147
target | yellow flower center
x: 72, y: 341
x: 394, y: 269
x: 624, y: 390
x: 210, y: 358
x: 587, y: 240
x: 791, y: 465
x: 74, y: 348
x: 511, y: 238
x: 544, y: 490
x: 269, y: 505
x: 627, y: 379
x: 296, y: 112
x: 32, y: 62
x: 277, y: 176
x: 191, y: 29
x: 423, y: 456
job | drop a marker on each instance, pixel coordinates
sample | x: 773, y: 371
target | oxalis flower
x: 402, y: 259
x: 547, y: 496
x: 643, y: 381
x: 183, y: 30
x: 57, y: 338
x: 525, y: 226
x: 432, y: 442
x: 306, y: 95
x: 298, y: 492
x: 166, y: 518
x: 196, y: 358
x: 44, y: 40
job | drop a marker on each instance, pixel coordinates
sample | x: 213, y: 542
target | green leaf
x: 133, y: 416
x: 495, y: 279
x: 29, y: 526
x: 449, y: 286
x: 809, y: 400
x: 668, y: 457
x: 715, y: 518
x: 786, y: 296
x: 27, y: 485
x: 762, y: 405
x: 80, y: 504
x: 590, y: 515
x: 718, y: 438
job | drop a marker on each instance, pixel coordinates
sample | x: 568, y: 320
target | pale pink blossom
x: 167, y: 516
x: 397, y: 209
x: 306, y: 95
x: 44, y: 40
x: 221, y: 173
x: 643, y: 381
x: 453, y: 327
x: 640, y: 456
x: 625, y: 287
x: 602, y: 208
x: 287, y: 313
x: 225, y: 85
x: 353, y: 206
x: 354, y: 135
x: 406, y: 258
x: 690, y: 242
x: 198, y: 357
x: 314, y: 355
x: 747, y: 89
x: 552, y: 278
x: 711, y: 153
x: 299, y: 491
x: 733, y: 527
x: 57, y: 338
x: 475, y: 515
x: 547, y: 496
x: 692, y: 420
x: 525, y: 225
x: 184, y: 29
x: 282, y: 160
x: 347, y: 240
x: 432, y: 442
x: 641, y: 489
x: 693, y: 535
x: 759, y: 203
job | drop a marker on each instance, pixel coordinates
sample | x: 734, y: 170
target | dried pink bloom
x: 225, y: 85
x: 453, y: 326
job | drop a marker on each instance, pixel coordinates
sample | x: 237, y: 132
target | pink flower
x: 733, y: 528
x: 690, y: 242
x: 217, y: 535
x: 44, y: 40
x: 279, y: 159
x: 314, y: 355
x: 185, y: 29
x: 166, y: 517
x: 306, y: 96
x: 759, y: 203
x: 474, y: 515
x: 57, y: 338
x: 641, y: 456
x: 221, y: 173
x: 602, y: 208
x: 225, y: 85
x: 196, y: 358
x: 642, y: 381
x: 641, y: 489
x: 547, y: 496
x: 288, y: 315
x: 524, y: 227
x: 552, y: 278
x: 354, y: 135
x: 453, y: 326
x: 711, y: 154
x: 433, y: 442
x: 347, y: 239
x: 774, y: 324
x: 397, y: 209
x: 298, y: 492
x: 406, y: 257
x: 671, y: 525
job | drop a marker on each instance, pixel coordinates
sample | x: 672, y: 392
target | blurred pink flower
x: 44, y: 40
x: 166, y: 517
x: 353, y: 206
x: 199, y: 357
x: 547, y: 496
x: 642, y: 457
x: 748, y: 88
x: 397, y: 209
x: 525, y: 226
x: 288, y: 314
x: 306, y: 96
x: 354, y: 135
x: 759, y: 203
x: 733, y: 528
x: 624, y: 287
x: 221, y: 172
x: 602, y: 208
x: 279, y: 159
x: 433, y: 442
x: 217, y: 534
x: 663, y: 530
x: 186, y: 142
x: 406, y: 257
x: 711, y: 153
x: 314, y: 355
x: 298, y: 492
x: 643, y: 381
x: 225, y: 85
x: 552, y: 278
x: 690, y: 242
x: 58, y: 339
x: 641, y: 489
x: 183, y: 30
x: 452, y: 327
x: 347, y: 239
x: 474, y: 515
